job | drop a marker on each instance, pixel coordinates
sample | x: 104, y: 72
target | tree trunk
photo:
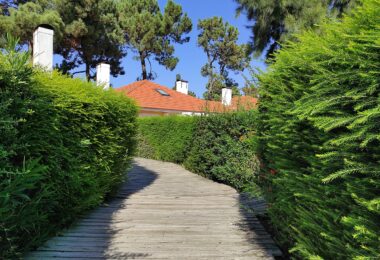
x: 88, y: 76
x: 143, y: 65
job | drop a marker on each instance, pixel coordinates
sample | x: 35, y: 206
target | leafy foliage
x: 223, y: 149
x: 150, y: 33
x: 176, y: 131
x: 219, y: 41
x: 275, y: 22
x: 220, y: 147
x: 320, y: 139
x: 65, y: 145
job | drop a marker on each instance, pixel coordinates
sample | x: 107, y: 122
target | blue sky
x: 192, y: 58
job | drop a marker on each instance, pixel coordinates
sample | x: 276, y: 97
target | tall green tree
x: 219, y: 41
x: 92, y: 35
x: 149, y: 33
x: 275, y: 21
x: 86, y: 31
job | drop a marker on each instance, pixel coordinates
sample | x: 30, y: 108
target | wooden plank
x: 166, y: 212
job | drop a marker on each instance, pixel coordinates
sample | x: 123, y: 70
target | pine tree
x: 275, y: 21
x: 20, y: 18
x: 92, y: 35
x: 151, y: 33
x: 219, y: 41
x: 87, y: 32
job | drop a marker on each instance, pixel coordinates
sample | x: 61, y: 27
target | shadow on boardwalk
x: 91, y: 237
x: 252, y: 208
x: 165, y: 212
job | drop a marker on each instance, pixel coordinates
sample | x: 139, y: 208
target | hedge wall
x: 65, y: 145
x: 219, y: 147
x: 320, y: 125
x: 165, y: 138
x: 223, y: 149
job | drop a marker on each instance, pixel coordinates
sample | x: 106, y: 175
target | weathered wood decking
x: 165, y: 212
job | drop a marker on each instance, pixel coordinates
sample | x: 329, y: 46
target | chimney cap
x: 44, y: 25
x: 182, y: 80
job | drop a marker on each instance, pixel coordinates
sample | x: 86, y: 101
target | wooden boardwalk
x: 165, y: 212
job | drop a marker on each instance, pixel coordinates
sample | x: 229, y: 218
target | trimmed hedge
x: 223, y: 149
x: 320, y: 125
x: 165, y: 138
x: 219, y: 147
x: 65, y: 145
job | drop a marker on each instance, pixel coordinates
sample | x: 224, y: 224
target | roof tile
x: 146, y: 95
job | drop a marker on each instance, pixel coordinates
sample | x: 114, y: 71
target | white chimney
x: 103, y: 71
x: 226, y: 96
x: 182, y: 86
x: 43, y: 47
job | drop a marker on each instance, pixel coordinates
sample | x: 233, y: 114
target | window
x: 162, y: 92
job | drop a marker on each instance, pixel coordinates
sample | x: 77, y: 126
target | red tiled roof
x: 146, y: 95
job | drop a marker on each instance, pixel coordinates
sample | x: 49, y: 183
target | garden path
x: 165, y: 212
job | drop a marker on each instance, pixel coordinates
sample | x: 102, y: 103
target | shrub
x: 219, y: 146
x: 65, y: 145
x: 223, y: 149
x: 165, y: 138
x: 320, y: 121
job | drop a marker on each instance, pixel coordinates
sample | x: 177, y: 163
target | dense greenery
x: 223, y: 149
x: 218, y: 39
x: 220, y: 147
x: 22, y: 17
x: 275, y: 22
x: 318, y: 130
x: 320, y: 125
x: 64, y: 146
x: 165, y: 138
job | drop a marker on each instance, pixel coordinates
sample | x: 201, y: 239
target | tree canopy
x: 149, y: 33
x: 22, y: 17
x: 219, y: 41
x: 275, y: 21
x: 86, y: 31
x: 92, y: 35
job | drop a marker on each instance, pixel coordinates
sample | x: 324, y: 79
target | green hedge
x: 220, y: 146
x: 165, y: 138
x: 320, y: 125
x: 223, y: 149
x: 65, y: 145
